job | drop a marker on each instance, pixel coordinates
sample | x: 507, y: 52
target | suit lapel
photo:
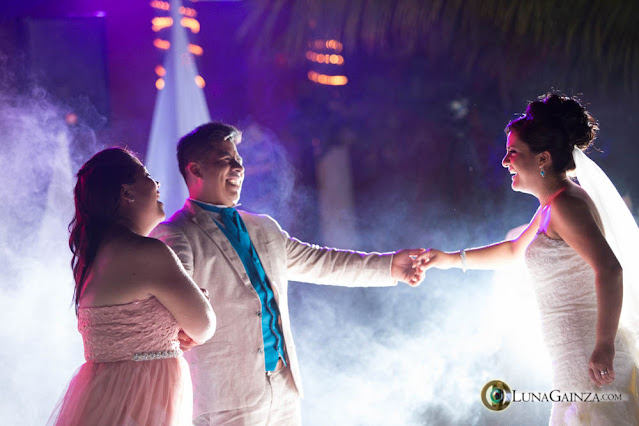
x: 202, y: 219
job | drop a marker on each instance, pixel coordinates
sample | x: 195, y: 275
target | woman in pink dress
x: 132, y: 298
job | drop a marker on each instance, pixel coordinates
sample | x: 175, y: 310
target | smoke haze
x: 41, y: 345
x: 368, y: 356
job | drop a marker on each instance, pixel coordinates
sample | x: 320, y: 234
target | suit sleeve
x: 173, y: 237
x: 322, y: 265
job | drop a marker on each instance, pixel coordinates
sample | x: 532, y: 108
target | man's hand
x: 186, y: 343
x: 402, y: 268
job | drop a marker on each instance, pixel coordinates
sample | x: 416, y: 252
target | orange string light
x: 160, y: 22
x: 336, y: 59
x: 162, y: 5
x: 324, y: 58
x: 327, y: 80
x: 195, y: 49
x: 161, y: 44
x: 327, y: 44
x: 335, y: 45
x: 160, y: 71
x: 191, y: 23
x: 187, y: 11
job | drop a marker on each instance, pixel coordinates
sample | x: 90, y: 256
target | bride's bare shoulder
x: 574, y: 204
x: 575, y: 196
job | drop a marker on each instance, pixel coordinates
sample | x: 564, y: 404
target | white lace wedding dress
x: 565, y: 288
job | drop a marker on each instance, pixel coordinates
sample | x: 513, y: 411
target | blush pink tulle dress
x: 135, y: 373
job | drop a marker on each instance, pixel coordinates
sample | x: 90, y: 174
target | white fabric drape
x: 622, y: 235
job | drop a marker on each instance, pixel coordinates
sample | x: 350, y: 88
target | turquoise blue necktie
x: 235, y: 228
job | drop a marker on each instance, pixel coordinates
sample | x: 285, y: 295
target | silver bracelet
x: 462, y: 255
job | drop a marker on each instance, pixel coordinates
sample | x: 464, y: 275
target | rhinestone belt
x: 150, y: 356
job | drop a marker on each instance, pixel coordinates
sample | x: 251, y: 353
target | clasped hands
x: 407, y: 267
x: 410, y: 265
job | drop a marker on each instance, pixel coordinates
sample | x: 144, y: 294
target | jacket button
x: 259, y: 351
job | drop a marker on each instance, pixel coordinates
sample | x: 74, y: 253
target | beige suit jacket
x: 228, y: 370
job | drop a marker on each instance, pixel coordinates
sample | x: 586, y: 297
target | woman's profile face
x: 522, y: 163
x: 147, y: 195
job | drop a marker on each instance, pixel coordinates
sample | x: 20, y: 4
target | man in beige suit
x: 248, y: 372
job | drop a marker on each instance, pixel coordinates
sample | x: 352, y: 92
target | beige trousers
x: 278, y: 406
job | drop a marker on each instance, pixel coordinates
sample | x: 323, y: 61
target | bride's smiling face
x: 522, y: 163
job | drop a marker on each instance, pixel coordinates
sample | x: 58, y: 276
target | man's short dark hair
x: 195, y: 145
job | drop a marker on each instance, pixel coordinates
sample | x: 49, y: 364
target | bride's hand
x: 433, y: 258
x: 600, y: 367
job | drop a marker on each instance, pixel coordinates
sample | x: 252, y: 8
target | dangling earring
x: 542, y: 172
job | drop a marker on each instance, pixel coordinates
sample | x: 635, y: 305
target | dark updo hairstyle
x: 556, y: 123
x: 97, y: 197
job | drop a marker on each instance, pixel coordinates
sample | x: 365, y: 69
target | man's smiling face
x: 222, y: 174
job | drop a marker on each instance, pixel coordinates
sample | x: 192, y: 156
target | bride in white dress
x: 578, y: 279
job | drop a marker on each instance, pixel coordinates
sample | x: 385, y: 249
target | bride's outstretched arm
x: 493, y: 256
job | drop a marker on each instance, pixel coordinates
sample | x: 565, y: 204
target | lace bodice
x: 563, y: 280
x: 119, y: 332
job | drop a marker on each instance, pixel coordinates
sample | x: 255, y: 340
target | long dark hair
x: 97, y: 197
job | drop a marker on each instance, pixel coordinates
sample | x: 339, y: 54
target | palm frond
x: 598, y: 37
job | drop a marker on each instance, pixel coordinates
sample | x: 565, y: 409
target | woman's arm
x: 572, y: 218
x: 168, y: 281
x: 494, y: 256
